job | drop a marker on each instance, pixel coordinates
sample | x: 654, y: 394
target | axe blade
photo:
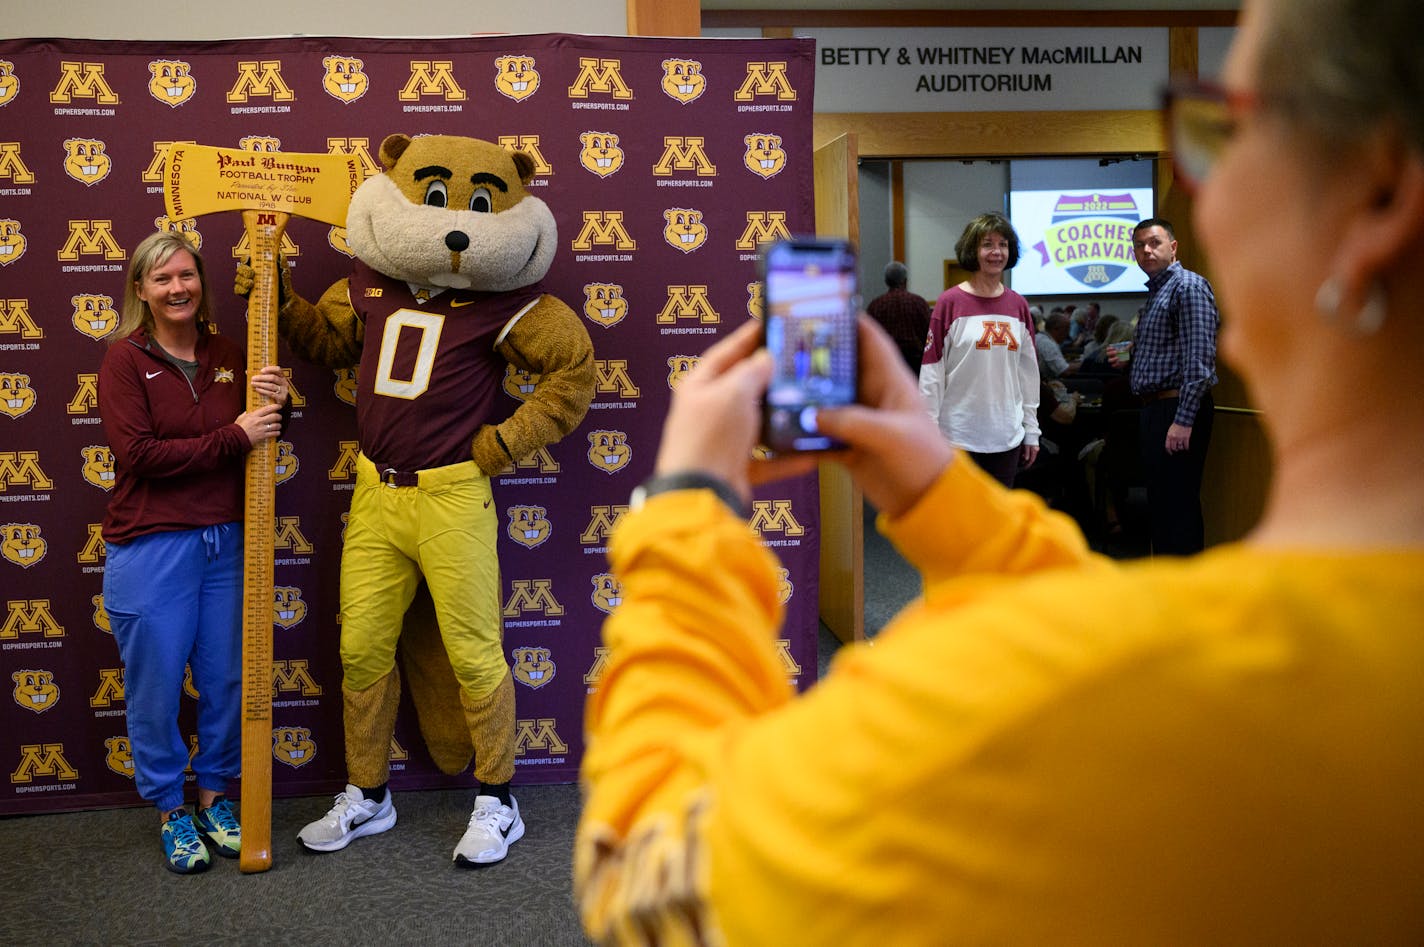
x: 202, y: 179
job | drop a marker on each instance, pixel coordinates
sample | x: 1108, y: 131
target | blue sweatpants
x: 174, y: 599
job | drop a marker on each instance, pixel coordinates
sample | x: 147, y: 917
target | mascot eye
x: 482, y: 201
x: 436, y: 194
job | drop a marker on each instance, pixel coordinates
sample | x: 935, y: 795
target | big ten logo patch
x: 683, y: 80
x: 86, y: 394
x: 35, y: 690
x: 293, y: 677
x: 344, y: 78
x: 541, y: 460
x: 12, y: 247
x: 532, y: 595
x: 533, y: 666
x: 607, y: 592
x: 684, y: 153
x: 763, y: 227
x: 22, y: 544
x: 600, y: 153
x: 529, y: 145
x: 765, y: 78
x: 110, y: 690
x: 756, y: 299
x: 9, y: 82
x: 604, y: 304
x: 784, y: 586
x: 100, y: 615
x: 93, y: 549
x: 288, y: 609
x: 94, y: 315
x: 42, y: 760
x: 688, y: 302
x: 293, y: 746
x: 86, y: 160
x: 153, y: 174
x: 22, y: 469
x: 608, y: 451
x: 12, y: 166
x: 683, y: 228
x: 17, y: 396
x: 601, y: 522
x: 529, y: 526
x: 538, y: 735
x: 171, y: 81
x: 775, y: 516
x: 185, y: 227
x: 118, y: 756
x: 516, y: 77
x: 604, y: 228
x: 344, y: 469
x: 343, y: 385
x: 594, y: 675
x: 613, y: 378
x: 996, y: 332
x: 93, y: 238
x: 519, y: 383
x: 764, y: 156
x: 431, y: 77
x: 678, y: 367
x: 260, y: 77
x: 600, y: 76
x: 285, y: 463
x: 82, y: 80
x: 98, y: 466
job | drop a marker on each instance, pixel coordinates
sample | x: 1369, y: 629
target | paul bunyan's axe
x: 268, y: 187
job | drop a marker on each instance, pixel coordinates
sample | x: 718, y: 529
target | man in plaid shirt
x: 1173, y: 370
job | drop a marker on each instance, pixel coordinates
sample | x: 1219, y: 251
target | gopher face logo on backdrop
x: 529, y: 525
x: 604, y: 304
x: 519, y: 383
x: 85, y: 160
x: 684, y: 228
x: 12, y: 242
x: 344, y: 387
x: 764, y: 156
x: 100, y: 616
x: 35, y: 690
x: 260, y: 143
x: 608, y: 451
x: 119, y: 756
x: 185, y: 227
x: 293, y: 746
x: 22, y: 544
x: 601, y: 153
x: 755, y: 299
x: 679, y: 366
x: 17, y: 398
x: 98, y: 468
x: 607, y: 592
x: 533, y: 667
x: 683, y: 79
x: 344, y: 79
x: 170, y: 81
x: 288, y: 609
x: 516, y: 77
x: 94, y: 314
x: 9, y: 85
x: 285, y: 464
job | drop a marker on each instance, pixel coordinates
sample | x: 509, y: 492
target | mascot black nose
x: 457, y: 241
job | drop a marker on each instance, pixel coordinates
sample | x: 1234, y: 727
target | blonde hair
x: 155, y: 250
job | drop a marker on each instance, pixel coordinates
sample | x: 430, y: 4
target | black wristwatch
x: 687, y: 480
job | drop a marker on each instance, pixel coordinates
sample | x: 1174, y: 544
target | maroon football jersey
x: 430, y: 375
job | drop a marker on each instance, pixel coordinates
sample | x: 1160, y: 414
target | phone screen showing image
x: 811, y: 306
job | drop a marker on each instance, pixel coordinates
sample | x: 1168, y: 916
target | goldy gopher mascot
x: 444, y: 293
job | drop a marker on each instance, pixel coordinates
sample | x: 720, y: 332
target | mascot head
x: 454, y: 212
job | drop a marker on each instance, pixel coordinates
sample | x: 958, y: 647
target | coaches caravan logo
x: 9, y: 84
x: 293, y: 746
x: 42, y: 759
x: 612, y: 378
x: 260, y: 78
x: 519, y: 383
x: 532, y: 595
x: 688, y: 302
x: 285, y: 464
x: 1090, y: 237
x: 12, y: 166
x: 171, y: 81
x: 431, y: 77
x: 185, y: 227
x: 294, y: 677
x: 774, y: 516
x: 86, y: 160
x: 595, y: 672
x: 22, y: 468
x: 683, y: 80
x: 608, y: 451
x: 607, y: 592
x: 35, y: 691
x: 110, y: 689
x: 763, y: 226
x: 601, y: 522
x: 756, y: 298
x: 529, y: 525
x: 529, y: 144
x: 764, y: 155
x: 30, y: 617
x: 100, y: 617
x: 288, y: 609
x: 538, y: 734
x: 604, y: 228
x: 345, y: 78
x: 94, y: 314
x: 601, y: 153
x: 765, y: 78
x: 678, y: 367
x: 12, y: 244
x: 17, y: 397
x: 604, y: 304
x: 82, y: 80
x: 602, y: 76
x: 345, y: 466
x: 98, y: 469
x: 515, y: 77
x: 119, y: 756
x: 784, y: 587
x: 684, y: 153
x: 534, y: 667
x: 343, y: 385
x: 684, y: 229
x: 95, y: 237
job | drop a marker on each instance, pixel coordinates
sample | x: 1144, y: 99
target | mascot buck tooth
x: 444, y: 292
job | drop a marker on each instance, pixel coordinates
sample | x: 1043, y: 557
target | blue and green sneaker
x: 182, y: 845
x: 219, y: 823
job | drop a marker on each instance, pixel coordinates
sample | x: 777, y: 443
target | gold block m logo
x: 91, y: 236
x: 600, y: 75
x: 688, y: 302
x: 765, y: 78
x: 605, y: 228
x: 538, y: 734
x: 763, y: 227
x: 82, y: 80
x: 42, y: 759
x: 260, y: 78
x: 431, y: 78
x: 774, y: 516
x: 684, y: 154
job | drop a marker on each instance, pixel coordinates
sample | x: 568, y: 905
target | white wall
x: 941, y: 197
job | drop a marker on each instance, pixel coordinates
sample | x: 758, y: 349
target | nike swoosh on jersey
x: 151, y: 375
x: 457, y: 303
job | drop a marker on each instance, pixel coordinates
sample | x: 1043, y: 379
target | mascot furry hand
x: 450, y: 248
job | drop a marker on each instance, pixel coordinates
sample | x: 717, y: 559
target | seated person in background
x: 1096, y: 362
x: 1051, y: 361
x: 1095, y: 341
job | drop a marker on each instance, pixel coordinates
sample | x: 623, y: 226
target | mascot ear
x: 522, y: 163
x: 392, y: 148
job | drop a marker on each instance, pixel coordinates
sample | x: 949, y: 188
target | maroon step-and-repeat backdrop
x: 666, y: 163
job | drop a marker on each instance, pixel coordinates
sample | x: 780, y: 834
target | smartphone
x: 810, y: 306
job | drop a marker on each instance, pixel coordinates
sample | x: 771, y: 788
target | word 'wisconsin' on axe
x: 268, y: 187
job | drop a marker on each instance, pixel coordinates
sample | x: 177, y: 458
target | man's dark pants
x: 1174, y: 480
